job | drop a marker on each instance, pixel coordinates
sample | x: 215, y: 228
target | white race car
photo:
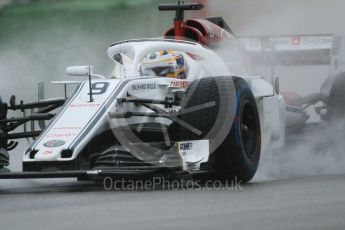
x: 170, y: 106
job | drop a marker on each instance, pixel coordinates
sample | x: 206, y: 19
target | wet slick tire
x: 236, y: 156
x: 336, y: 102
x: 336, y: 115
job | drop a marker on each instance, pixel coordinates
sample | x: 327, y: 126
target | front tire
x: 237, y: 155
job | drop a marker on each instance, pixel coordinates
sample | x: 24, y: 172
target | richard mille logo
x: 144, y: 86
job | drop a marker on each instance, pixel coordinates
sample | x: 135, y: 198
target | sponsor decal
x: 179, y: 84
x: 65, y: 128
x: 287, y: 43
x: 302, y: 43
x: 296, y: 40
x: 54, y: 143
x: 85, y: 105
x: 47, y: 152
x: 186, y: 146
x: 144, y: 86
x: 317, y: 41
x: 56, y: 135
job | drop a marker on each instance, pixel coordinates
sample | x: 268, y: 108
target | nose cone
x: 51, y: 150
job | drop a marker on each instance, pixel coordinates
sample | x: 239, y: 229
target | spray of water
x: 318, y: 150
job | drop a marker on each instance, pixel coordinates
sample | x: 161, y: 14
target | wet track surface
x: 302, y: 203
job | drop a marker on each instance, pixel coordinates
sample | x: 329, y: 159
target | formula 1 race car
x: 171, y: 105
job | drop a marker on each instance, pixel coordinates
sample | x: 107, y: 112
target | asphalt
x: 285, y: 194
x: 300, y: 203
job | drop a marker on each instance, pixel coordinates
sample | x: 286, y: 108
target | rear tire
x: 336, y: 116
x: 237, y: 156
x: 336, y: 101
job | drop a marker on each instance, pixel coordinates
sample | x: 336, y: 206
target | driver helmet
x: 165, y: 63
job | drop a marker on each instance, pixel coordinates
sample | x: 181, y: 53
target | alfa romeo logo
x: 54, y: 143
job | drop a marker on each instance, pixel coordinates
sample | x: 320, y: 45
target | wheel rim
x: 248, y: 129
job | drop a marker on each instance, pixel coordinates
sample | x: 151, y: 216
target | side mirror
x: 80, y: 71
x: 84, y: 71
